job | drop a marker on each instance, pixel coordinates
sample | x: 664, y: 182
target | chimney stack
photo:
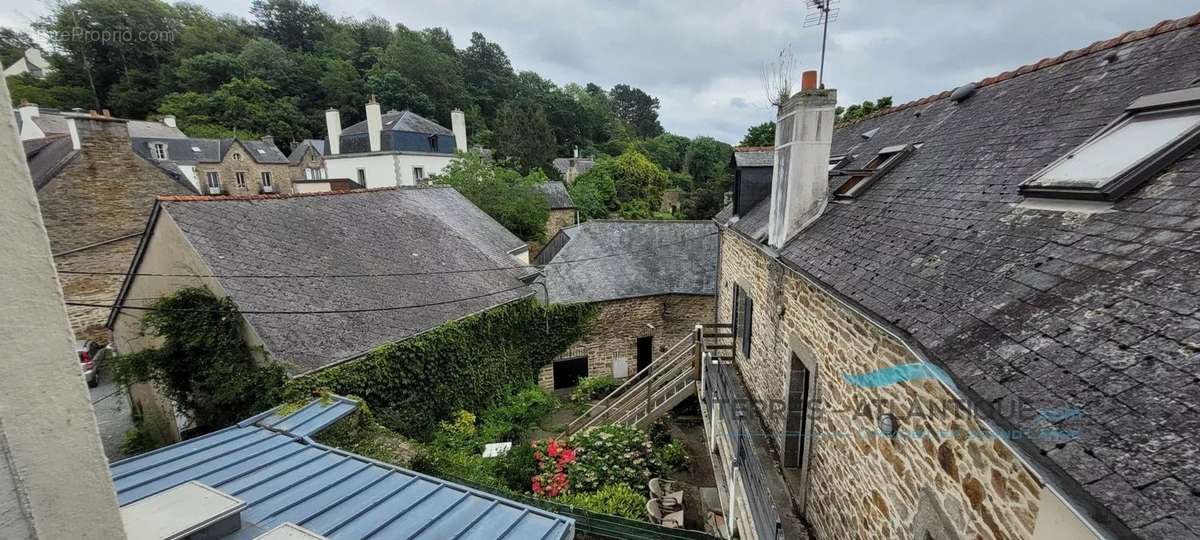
x: 576, y: 152
x: 76, y: 143
x: 269, y: 139
x: 169, y: 121
x: 374, y: 124
x: 333, y: 131
x: 29, y: 130
x: 458, y: 124
x: 800, y: 179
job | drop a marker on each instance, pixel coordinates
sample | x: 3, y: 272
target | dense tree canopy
x: 277, y: 73
x: 854, y: 112
x: 511, y: 199
x: 760, y: 135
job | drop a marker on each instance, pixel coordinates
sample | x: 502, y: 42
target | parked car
x: 91, y: 354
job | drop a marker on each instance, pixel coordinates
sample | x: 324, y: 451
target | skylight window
x: 1153, y: 132
x: 860, y: 179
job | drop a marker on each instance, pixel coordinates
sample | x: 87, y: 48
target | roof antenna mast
x: 821, y: 12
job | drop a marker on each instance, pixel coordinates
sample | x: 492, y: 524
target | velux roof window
x: 860, y: 179
x: 1153, y: 132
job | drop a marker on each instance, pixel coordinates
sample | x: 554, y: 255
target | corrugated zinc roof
x: 285, y: 477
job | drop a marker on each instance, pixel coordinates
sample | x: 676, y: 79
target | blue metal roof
x: 270, y: 462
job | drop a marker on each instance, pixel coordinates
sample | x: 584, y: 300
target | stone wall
x: 310, y: 160
x: 861, y: 484
x: 281, y: 174
x: 559, y: 219
x: 95, y: 210
x: 669, y: 318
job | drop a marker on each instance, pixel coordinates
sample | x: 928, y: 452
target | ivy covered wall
x: 467, y: 364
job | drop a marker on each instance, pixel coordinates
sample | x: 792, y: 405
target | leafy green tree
x: 868, y: 107
x: 395, y: 91
x: 48, y: 93
x: 422, y: 60
x: 203, y: 32
x: 207, y: 72
x: 511, y: 199
x: 667, y: 150
x: 240, y: 108
x: 629, y: 185
x: 13, y: 45
x: 523, y: 136
x: 637, y: 109
x: 488, y: 74
x: 294, y: 24
x: 707, y: 162
x: 760, y: 135
x: 595, y: 196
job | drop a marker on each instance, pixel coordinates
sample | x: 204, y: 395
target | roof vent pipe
x: 963, y: 92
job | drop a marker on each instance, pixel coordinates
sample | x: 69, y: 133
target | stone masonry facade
x: 227, y: 169
x: 95, y: 210
x: 560, y: 218
x: 860, y: 483
x: 668, y: 318
x: 310, y: 161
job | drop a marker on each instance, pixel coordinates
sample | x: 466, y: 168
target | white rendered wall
x: 385, y: 169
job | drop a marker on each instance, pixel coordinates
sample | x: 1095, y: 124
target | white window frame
x: 159, y: 150
x: 361, y: 176
x: 266, y: 179
x: 213, y: 178
x: 418, y: 174
x: 239, y: 179
x: 1140, y: 171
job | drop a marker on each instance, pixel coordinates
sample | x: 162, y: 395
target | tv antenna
x: 821, y: 12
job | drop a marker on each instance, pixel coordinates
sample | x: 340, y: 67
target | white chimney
x: 458, y: 124
x: 169, y: 121
x: 29, y: 130
x: 333, y: 130
x: 374, y: 124
x: 74, y: 131
x: 576, y: 152
x: 800, y: 179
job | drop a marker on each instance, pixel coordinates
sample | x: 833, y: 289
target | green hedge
x: 462, y: 365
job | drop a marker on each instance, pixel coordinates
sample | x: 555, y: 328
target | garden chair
x: 674, y: 520
x: 664, y: 491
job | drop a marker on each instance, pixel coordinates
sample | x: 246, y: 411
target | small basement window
x: 860, y: 179
x: 1153, y: 132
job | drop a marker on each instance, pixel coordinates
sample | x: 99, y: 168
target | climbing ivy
x: 462, y: 365
x: 203, y: 364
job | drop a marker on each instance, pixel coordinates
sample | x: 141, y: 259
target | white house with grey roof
x: 397, y: 148
x: 397, y: 240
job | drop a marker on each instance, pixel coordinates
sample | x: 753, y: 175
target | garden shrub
x: 610, y: 454
x: 467, y: 364
x: 515, y: 468
x: 671, y: 457
x: 516, y: 415
x: 552, y: 460
x: 595, y: 387
x: 614, y: 500
x: 361, y: 434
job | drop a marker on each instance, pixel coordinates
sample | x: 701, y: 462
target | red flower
x: 552, y: 448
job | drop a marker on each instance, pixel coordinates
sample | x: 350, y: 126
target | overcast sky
x: 704, y: 59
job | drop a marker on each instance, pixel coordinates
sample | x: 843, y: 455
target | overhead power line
x: 300, y: 312
x: 387, y: 274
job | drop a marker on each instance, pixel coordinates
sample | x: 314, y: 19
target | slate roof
x: 386, y: 231
x: 47, y: 156
x: 657, y: 257
x: 298, y: 152
x: 556, y: 195
x: 270, y: 462
x: 582, y: 165
x: 402, y: 121
x: 144, y: 129
x: 754, y: 156
x: 264, y: 152
x: 1096, y: 312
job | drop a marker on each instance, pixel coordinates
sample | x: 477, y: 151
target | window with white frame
x: 362, y: 177
x: 1153, y: 132
x: 214, y: 179
x: 239, y: 178
x: 159, y: 150
x: 266, y: 179
x: 418, y: 174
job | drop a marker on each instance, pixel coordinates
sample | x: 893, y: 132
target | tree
x: 760, y: 135
x: 868, y: 107
x: 240, y: 108
x: 207, y: 72
x: 488, y: 74
x: 629, y: 185
x: 293, y: 24
x: 395, y: 91
x: 422, y: 60
x: 13, y: 45
x: 637, y: 109
x: 707, y: 162
x: 594, y: 196
x: 667, y: 150
x: 511, y: 199
x: 523, y: 136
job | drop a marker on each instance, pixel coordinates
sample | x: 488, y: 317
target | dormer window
x: 860, y: 179
x: 1153, y: 132
x: 433, y: 143
x: 159, y: 151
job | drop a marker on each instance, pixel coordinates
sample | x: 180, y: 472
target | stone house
x: 326, y: 321
x: 573, y: 167
x: 241, y: 167
x: 653, y: 281
x: 563, y: 212
x: 975, y: 315
x: 94, y: 193
x: 307, y: 160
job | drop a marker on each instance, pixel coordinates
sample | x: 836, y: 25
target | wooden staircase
x: 667, y: 381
